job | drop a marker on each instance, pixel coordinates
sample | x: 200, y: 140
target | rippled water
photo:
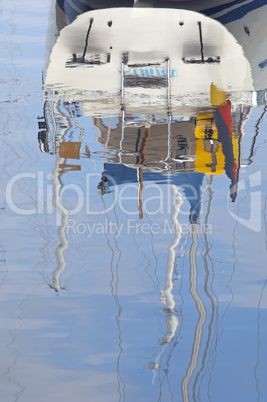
x: 133, y: 241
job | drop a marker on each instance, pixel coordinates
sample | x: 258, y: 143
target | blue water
x: 83, y: 312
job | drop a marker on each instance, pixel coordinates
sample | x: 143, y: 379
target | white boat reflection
x: 140, y: 159
x: 206, y: 136
x: 122, y: 58
x: 168, y: 105
x: 245, y: 20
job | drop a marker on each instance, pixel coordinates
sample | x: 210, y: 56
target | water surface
x: 133, y: 240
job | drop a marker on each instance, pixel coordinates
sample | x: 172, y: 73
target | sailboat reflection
x: 168, y: 106
x: 201, y: 149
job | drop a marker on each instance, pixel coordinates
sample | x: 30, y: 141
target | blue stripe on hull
x: 226, y: 18
x: 235, y: 14
x: 71, y: 12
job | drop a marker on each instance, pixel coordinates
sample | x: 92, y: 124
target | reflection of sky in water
x: 107, y: 335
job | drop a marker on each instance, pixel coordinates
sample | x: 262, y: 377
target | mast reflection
x: 174, y: 116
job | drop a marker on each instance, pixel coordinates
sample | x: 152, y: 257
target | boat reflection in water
x: 168, y: 93
x: 245, y: 20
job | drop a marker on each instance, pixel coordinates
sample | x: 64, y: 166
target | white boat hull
x: 146, y: 54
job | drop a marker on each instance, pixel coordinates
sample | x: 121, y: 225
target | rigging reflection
x: 171, y: 115
x: 201, y: 151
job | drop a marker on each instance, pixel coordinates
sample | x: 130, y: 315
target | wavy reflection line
x: 202, y: 313
x: 46, y: 252
x: 228, y: 285
x: 54, y: 124
x: 168, y: 158
x: 156, y: 280
x: 122, y: 112
x: 4, y: 268
x: 210, y: 294
x: 206, y: 290
x: 9, y: 369
x: 12, y: 343
x: 174, y: 343
x: 18, y: 354
x: 167, y: 296
x: 119, y: 306
x: 140, y: 171
x: 57, y: 187
x: 259, y: 315
x: 64, y: 218
x: 252, y: 147
x: 213, y: 350
x: 53, y: 117
x: 107, y: 140
x: 114, y: 283
x: 258, y: 341
x: 235, y: 227
x: 148, y: 262
x: 169, y: 155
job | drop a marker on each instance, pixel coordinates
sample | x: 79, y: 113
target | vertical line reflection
x: 202, y: 314
x: 259, y: 315
x: 211, y: 296
x: 57, y: 187
x: 64, y: 216
x: 167, y: 297
x: 114, y: 283
x: 166, y: 369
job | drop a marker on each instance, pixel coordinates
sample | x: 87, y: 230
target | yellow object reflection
x: 209, y: 154
x: 217, y: 149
